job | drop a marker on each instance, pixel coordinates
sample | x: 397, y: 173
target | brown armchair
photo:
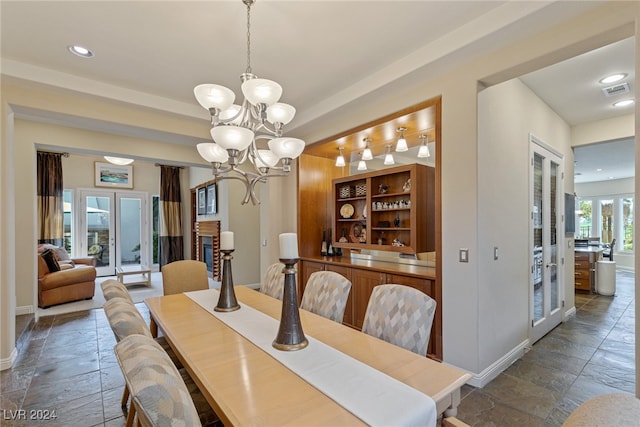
x: 75, y: 279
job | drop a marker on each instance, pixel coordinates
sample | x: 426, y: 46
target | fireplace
x: 207, y: 253
x: 208, y: 246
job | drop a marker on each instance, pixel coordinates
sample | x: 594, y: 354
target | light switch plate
x: 464, y: 255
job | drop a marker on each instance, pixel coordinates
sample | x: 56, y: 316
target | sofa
x: 63, y: 279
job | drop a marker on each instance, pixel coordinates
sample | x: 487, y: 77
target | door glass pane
x: 98, y: 232
x: 584, y: 219
x: 553, y: 237
x: 67, y: 196
x: 130, y: 231
x: 538, y: 307
x: 627, y: 217
x: 606, y: 211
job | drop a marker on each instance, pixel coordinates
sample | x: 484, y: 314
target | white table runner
x: 374, y: 397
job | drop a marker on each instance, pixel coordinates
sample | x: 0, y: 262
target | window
x: 67, y: 198
x: 584, y: 219
x: 606, y: 226
x: 607, y: 218
x: 627, y: 221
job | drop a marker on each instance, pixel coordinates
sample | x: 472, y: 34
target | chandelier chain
x: 248, y: 37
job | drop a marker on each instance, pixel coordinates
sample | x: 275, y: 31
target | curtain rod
x: 173, y: 166
x: 63, y: 154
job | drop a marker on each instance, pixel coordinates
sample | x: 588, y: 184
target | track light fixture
x: 340, y: 159
x: 423, y: 151
x: 401, y: 145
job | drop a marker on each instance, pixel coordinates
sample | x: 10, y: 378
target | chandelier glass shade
x: 120, y: 161
x: 237, y: 128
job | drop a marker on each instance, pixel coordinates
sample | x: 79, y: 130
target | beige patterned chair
x: 273, y: 281
x: 113, y: 289
x: 400, y: 315
x: 184, y: 276
x: 125, y: 320
x: 159, y: 394
x: 326, y: 295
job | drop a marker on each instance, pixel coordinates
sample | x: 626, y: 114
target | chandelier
x: 237, y: 128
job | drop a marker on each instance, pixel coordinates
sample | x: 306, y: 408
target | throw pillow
x: 50, y: 258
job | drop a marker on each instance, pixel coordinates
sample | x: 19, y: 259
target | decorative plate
x: 347, y: 210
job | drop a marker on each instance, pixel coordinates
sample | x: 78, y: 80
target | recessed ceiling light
x: 599, y: 170
x: 613, y: 78
x: 81, y: 51
x: 624, y: 103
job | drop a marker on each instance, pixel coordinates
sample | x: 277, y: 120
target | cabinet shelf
x: 416, y: 215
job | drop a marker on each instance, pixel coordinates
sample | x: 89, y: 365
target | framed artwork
x: 212, y: 199
x: 202, y: 201
x: 109, y: 175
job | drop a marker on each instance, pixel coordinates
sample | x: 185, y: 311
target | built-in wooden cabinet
x: 585, y: 268
x: 363, y: 280
x: 390, y: 210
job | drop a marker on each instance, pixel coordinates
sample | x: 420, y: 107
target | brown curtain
x: 171, y: 239
x: 50, y: 201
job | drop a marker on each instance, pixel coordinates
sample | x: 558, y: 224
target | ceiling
x: 325, y: 54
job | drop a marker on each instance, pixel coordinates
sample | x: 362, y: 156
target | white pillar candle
x: 288, y: 246
x: 226, y: 240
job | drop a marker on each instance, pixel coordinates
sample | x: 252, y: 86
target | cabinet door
x: 306, y: 269
x: 423, y: 285
x: 363, y: 282
x: 428, y: 287
x: 346, y: 272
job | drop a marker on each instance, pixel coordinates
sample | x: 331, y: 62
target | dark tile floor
x: 66, y: 367
x: 592, y: 353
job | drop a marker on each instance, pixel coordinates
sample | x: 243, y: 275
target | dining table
x: 248, y: 382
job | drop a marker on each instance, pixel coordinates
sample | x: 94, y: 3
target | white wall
x: 507, y: 114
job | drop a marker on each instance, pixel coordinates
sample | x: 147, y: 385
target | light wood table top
x: 246, y: 386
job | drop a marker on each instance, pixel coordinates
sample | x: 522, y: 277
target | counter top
x: 589, y: 249
x: 384, y: 266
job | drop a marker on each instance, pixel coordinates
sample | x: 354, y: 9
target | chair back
x: 608, y: 253
x: 400, y: 315
x: 273, y: 281
x: 184, y: 276
x: 326, y: 295
x: 125, y: 319
x: 113, y: 289
x: 158, y: 391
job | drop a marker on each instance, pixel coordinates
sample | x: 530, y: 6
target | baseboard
x: 25, y: 309
x: 8, y: 362
x: 569, y: 313
x: 500, y: 365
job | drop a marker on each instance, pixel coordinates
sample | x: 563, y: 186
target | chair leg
x: 131, y: 416
x: 153, y: 327
x: 125, y: 397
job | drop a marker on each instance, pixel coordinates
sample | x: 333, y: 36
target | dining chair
x: 125, y: 320
x: 608, y: 251
x: 113, y: 289
x: 184, y: 276
x: 273, y: 281
x: 158, y: 393
x: 400, y: 315
x: 326, y: 295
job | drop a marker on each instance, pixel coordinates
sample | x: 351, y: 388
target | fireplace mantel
x: 209, y: 229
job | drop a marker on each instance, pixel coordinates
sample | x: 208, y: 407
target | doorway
x: 546, y: 237
x: 113, y: 228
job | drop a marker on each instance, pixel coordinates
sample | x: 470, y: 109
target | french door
x: 546, y: 237
x: 113, y: 228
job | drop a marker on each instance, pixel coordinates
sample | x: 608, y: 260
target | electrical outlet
x: 464, y: 255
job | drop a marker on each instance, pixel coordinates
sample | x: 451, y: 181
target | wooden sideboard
x: 365, y: 275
